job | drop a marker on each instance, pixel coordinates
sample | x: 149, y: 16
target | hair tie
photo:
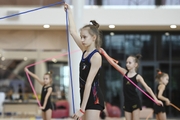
x: 90, y: 23
x: 82, y: 111
x: 49, y: 72
x: 159, y: 72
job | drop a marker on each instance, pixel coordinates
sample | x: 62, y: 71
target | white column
x: 76, y: 57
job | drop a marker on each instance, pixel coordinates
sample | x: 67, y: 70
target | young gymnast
x: 92, y: 101
x: 132, y: 104
x: 162, y: 79
x: 45, y: 93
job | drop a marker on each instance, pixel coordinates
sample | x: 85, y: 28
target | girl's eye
x: 83, y: 37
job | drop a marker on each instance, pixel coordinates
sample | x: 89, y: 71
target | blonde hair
x: 93, y: 30
x: 50, y: 74
x: 160, y: 74
x: 136, y: 59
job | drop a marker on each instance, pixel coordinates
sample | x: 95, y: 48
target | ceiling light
x: 167, y: 33
x: 111, y: 33
x: 173, y: 26
x: 111, y: 26
x: 46, y: 26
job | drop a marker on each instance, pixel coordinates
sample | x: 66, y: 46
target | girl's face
x: 165, y: 79
x: 86, y: 38
x: 130, y: 63
x: 47, y: 79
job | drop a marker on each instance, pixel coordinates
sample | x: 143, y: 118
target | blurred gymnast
x: 45, y: 93
x: 163, y: 79
x: 132, y: 104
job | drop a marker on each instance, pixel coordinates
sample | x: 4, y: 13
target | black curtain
x: 98, y: 2
x: 158, y: 2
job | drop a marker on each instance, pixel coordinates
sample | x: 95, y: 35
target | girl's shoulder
x: 126, y: 72
x: 139, y: 77
x: 47, y: 87
x: 161, y: 86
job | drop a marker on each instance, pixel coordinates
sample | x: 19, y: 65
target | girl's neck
x: 161, y: 83
x: 132, y: 71
x: 89, y: 50
x: 47, y: 85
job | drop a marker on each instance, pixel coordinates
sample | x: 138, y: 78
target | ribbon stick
x: 110, y: 60
x: 175, y: 106
x: 28, y: 11
x: 61, y: 55
x: 33, y: 89
x: 170, y: 104
x: 58, y: 56
x: 69, y: 56
x: 32, y: 10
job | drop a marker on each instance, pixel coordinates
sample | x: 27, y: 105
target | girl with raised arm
x: 132, y: 104
x: 45, y: 93
x: 89, y: 42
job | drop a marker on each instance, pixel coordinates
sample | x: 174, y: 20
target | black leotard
x: 131, y: 98
x: 157, y: 108
x: 43, y: 95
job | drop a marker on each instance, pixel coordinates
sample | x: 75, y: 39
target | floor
x: 21, y: 116
x: 107, y: 118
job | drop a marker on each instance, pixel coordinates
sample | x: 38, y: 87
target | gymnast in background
x: 45, y: 93
x: 162, y: 79
x: 132, y: 104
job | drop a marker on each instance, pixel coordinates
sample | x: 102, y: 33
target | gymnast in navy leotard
x: 89, y: 41
x: 95, y: 100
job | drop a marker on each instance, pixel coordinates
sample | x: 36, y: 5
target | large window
x: 123, y: 45
x: 92, y: 2
x: 60, y: 79
x: 129, y: 2
x: 170, y: 2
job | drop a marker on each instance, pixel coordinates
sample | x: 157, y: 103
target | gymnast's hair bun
x: 138, y: 56
x: 93, y: 22
x: 50, y: 72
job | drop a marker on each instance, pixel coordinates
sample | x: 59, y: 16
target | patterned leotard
x: 95, y: 100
